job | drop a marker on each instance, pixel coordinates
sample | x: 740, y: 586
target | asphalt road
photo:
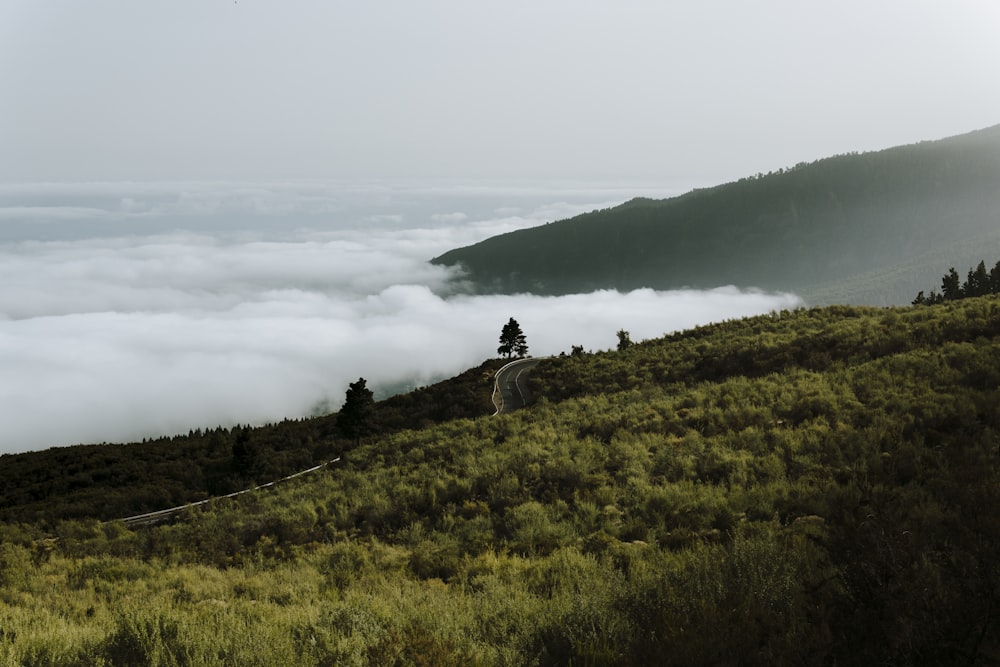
x: 510, y: 392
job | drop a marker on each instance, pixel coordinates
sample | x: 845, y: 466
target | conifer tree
x: 951, y: 288
x: 978, y: 281
x: 624, y: 341
x: 512, y: 340
x: 995, y: 279
x: 356, y: 418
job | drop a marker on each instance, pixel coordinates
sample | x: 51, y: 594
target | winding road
x: 509, y: 393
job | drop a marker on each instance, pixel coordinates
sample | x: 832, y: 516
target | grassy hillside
x: 113, y: 481
x: 859, y: 228
x: 811, y: 487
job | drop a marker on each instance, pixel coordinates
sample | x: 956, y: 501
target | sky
x: 220, y: 212
x: 580, y: 90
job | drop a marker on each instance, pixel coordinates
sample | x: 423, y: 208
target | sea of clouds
x: 133, y: 310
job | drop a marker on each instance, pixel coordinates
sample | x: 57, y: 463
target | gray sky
x: 662, y: 92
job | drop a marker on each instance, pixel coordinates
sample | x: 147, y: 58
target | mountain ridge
x: 813, y: 229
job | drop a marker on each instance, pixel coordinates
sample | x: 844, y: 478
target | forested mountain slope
x: 817, y: 487
x: 859, y: 228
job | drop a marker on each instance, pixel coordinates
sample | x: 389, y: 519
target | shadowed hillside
x: 112, y: 481
x: 857, y: 228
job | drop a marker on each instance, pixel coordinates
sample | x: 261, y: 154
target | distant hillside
x: 860, y: 228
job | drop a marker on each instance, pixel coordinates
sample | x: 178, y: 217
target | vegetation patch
x: 811, y: 487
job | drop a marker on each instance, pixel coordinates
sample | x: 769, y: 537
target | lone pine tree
x: 624, y: 340
x: 356, y: 418
x: 512, y: 340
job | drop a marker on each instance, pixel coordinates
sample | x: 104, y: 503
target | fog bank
x: 117, y: 338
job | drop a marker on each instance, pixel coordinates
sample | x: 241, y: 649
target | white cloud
x: 117, y: 376
x: 115, y: 339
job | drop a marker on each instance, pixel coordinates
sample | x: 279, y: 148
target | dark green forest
x: 864, y: 228
x: 809, y: 487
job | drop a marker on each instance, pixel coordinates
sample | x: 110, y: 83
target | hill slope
x: 110, y: 481
x: 856, y: 228
x: 811, y: 487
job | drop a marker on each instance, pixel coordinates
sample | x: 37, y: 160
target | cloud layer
x: 120, y: 338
